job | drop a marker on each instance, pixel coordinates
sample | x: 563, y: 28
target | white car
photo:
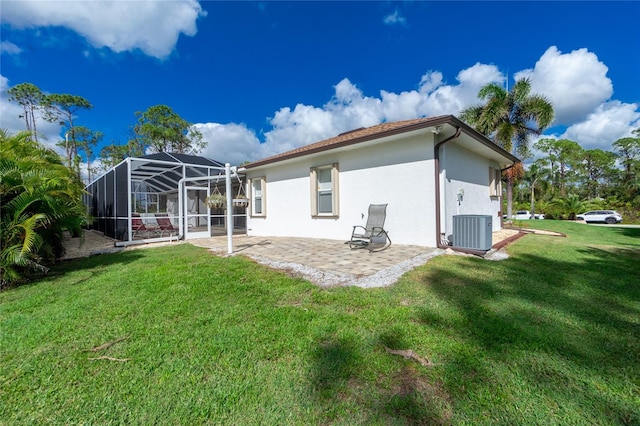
x: 606, y: 216
x: 525, y: 215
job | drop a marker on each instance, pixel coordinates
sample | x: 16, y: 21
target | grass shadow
x: 85, y: 268
x: 412, y: 396
x: 335, y: 362
x: 97, y: 262
x: 569, y: 324
x: 406, y: 396
x: 628, y: 232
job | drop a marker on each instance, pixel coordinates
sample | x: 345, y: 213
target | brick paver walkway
x: 324, y: 255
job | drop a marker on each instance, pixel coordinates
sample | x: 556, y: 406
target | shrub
x: 41, y: 198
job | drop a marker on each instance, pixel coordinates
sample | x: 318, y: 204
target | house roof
x: 365, y: 134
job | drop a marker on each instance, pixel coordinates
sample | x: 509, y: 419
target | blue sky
x: 258, y: 78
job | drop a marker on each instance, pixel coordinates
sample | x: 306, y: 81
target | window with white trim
x: 324, y: 190
x: 495, y: 179
x: 258, y: 199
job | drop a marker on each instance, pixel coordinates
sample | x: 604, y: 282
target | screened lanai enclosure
x: 163, y: 197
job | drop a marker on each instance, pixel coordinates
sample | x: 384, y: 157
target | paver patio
x: 325, y: 262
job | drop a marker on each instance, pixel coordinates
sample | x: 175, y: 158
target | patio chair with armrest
x: 138, y: 227
x: 164, y: 223
x: 372, y: 236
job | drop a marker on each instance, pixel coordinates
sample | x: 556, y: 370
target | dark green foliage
x: 162, y: 130
x: 40, y: 198
x: 31, y: 99
x: 628, y: 151
x: 573, y: 180
x: 86, y: 140
x: 62, y: 109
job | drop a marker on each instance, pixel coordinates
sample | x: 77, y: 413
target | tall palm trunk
x: 533, y: 202
x: 509, y: 196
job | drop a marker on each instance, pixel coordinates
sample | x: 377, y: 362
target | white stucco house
x: 427, y: 170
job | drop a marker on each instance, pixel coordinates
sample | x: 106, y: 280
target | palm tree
x: 571, y: 205
x: 531, y: 178
x: 510, y: 119
x: 39, y: 199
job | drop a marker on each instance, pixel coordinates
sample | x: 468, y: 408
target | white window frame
x: 262, y: 196
x: 495, y: 182
x: 315, y: 191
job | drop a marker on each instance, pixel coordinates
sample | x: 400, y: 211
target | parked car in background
x: 604, y: 216
x: 525, y: 215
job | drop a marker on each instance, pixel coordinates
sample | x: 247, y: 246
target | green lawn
x: 549, y: 336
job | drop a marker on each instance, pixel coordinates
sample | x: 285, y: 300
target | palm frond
x: 40, y: 199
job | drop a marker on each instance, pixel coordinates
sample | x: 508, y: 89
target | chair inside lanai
x: 164, y: 223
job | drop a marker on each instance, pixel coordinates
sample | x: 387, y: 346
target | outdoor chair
x: 138, y: 227
x: 373, y: 235
x: 164, y: 223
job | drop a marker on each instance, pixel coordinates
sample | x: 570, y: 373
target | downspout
x: 436, y: 166
x: 436, y: 157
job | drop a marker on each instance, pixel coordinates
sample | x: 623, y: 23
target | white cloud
x: 608, y: 123
x: 303, y: 125
x: 395, y: 18
x: 9, y: 48
x: 434, y: 97
x: 451, y: 99
x: 231, y: 143
x: 351, y: 109
x: 431, y: 81
x: 151, y: 26
x: 9, y: 112
x: 478, y: 75
x: 401, y: 106
x: 348, y: 109
x: 576, y: 83
x: 598, y: 121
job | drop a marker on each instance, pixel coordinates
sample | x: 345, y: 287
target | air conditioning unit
x: 472, y: 231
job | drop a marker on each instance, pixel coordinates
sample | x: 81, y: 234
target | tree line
x: 567, y: 179
x: 158, y: 129
x: 61, y: 109
x: 41, y: 191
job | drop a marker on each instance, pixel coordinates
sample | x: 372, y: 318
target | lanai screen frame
x: 110, y: 206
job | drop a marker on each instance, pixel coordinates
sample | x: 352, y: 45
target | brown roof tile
x: 369, y: 133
